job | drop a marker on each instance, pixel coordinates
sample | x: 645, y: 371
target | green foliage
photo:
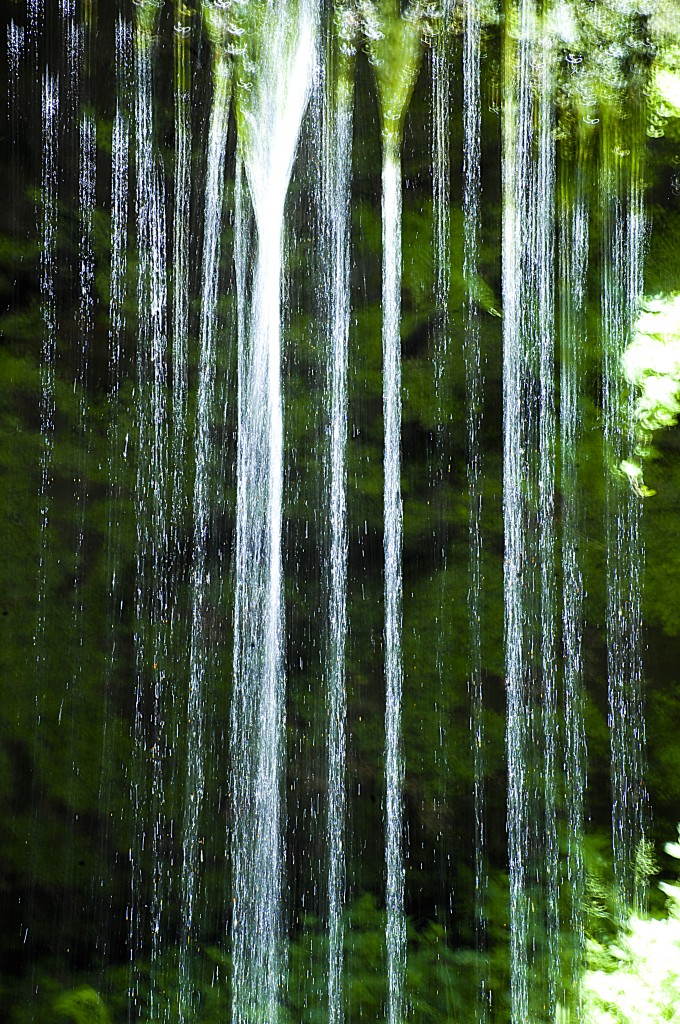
x: 634, y: 976
x: 81, y: 1006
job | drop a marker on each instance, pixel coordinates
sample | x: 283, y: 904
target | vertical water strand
x: 84, y: 134
x: 16, y: 37
x: 47, y: 218
x: 180, y: 256
x: 16, y: 41
x: 544, y: 259
x: 117, y: 444
x: 200, y: 653
x: 573, y: 261
x: 48, y: 243
x: 151, y: 742
x: 273, y: 83
x: 513, y: 524
x: 519, y: 492
x: 73, y: 38
x: 395, y: 50
x: 622, y: 239
x: 474, y: 387
x: 441, y: 195
x: 529, y: 505
x: 394, y: 762
x: 35, y: 15
x: 440, y: 129
x: 633, y: 538
x: 335, y: 194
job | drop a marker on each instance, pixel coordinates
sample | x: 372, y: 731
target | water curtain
x: 234, y: 133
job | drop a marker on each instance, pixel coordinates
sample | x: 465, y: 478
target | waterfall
x: 48, y: 221
x: 472, y: 116
x: 573, y: 230
x: 151, y: 739
x: 440, y: 142
x: 336, y: 180
x: 117, y: 444
x: 394, y: 761
x: 181, y: 240
x: 528, y: 502
x: 441, y: 193
x: 623, y: 231
x: 544, y: 256
x: 16, y: 45
x: 200, y: 654
x: 395, y: 49
x: 318, y: 571
x: 269, y: 113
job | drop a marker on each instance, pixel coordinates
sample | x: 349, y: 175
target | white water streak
x: 441, y: 201
x: 151, y: 739
x: 622, y: 210
x: 573, y: 283
x: 120, y: 190
x: 181, y: 248
x: 15, y: 52
x: 200, y: 653
x: 48, y: 243
x: 472, y: 117
x: 393, y: 526
x: 120, y: 155
x: 269, y: 126
x: 529, y: 494
x: 336, y: 178
x: 544, y: 259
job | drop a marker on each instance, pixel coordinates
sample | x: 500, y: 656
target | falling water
x: 529, y: 454
x: 441, y: 195
x: 50, y: 113
x: 73, y: 35
x: 117, y: 444
x: 336, y: 179
x: 16, y: 40
x: 573, y: 262
x: 543, y: 257
x: 200, y: 653
x: 395, y: 49
x: 394, y: 762
x: 15, y: 50
x: 158, y: 469
x: 36, y: 17
x: 151, y: 738
x: 472, y: 118
x: 440, y: 130
x: 518, y: 717
x: 269, y: 115
x: 180, y: 252
x: 47, y: 214
x: 623, y: 231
